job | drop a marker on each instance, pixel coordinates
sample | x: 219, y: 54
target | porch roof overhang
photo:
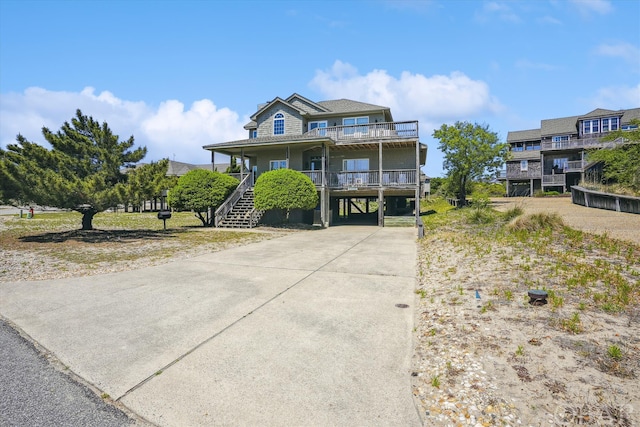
x: 234, y: 147
x: 248, y: 145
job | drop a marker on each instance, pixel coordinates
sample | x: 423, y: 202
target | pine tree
x: 82, y: 171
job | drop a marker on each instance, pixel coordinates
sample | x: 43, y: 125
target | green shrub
x: 512, y: 213
x: 199, y: 190
x: 490, y: 189
x: 536, y: 222
x: 285, y: 190
x: 540, y: 193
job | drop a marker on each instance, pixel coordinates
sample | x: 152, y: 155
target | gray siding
x: 292, y: 121
x: 534, y: 170
x: 392, y: 159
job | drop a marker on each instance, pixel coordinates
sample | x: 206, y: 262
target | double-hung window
x: 278, y: 124
x: 277, y: 164
x: 614, y: 122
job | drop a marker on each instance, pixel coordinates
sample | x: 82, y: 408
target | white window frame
x: 524, y: 165
x: 614, y: 123
x: 279, y: 164
x: 560, y: 138
x: 319, y: 124
x: 254, y: 133
x: 276, y: 119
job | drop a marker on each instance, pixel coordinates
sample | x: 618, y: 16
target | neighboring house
x: 179, y: 168
x: 553, y: 157
x: 358, y: 157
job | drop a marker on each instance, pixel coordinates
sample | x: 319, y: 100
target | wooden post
x: 417, y: 203
x: 380, y: 207
x: 241, y: 164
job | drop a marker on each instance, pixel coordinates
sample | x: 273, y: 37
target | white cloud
x: 549, y: 20
x: 432, y: 100
x: 616, y: 97
x: 501, y: 10
x: 176, y: 131
x: 587, y: 7
x: 437, y: 97
x: 166, y: 131
x: 626, y: 51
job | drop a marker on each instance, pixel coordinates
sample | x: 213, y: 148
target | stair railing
x: 228, y: 204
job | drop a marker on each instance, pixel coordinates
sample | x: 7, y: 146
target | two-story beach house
x: 364, y: 164
x: 553, y: 156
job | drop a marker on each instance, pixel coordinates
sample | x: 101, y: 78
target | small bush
x: 481, y: 216
x: 285, y: 190
x: 512, y: 213
x: 540, y: 193
x: 537, y: 222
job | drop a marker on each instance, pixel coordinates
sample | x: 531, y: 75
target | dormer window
x: 278, y: 124
x: 607, y: 124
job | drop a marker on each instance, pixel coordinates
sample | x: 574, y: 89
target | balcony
x: 371, y: 131
x: 575, y: 166
x: 589, y: 141
x: 558, y: 179
x: 363, y: 179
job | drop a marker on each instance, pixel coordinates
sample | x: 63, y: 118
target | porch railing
x: 558, y: 179
x: 228, y: 204
x: 575, y: 166
x: 589, y: 142
x: 384, y: 130
x: 316, y: 176
x: 368, y: 178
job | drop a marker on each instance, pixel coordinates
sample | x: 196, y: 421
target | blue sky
x: 179, y: 75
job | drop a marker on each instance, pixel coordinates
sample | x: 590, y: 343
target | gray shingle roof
x: 630, y: 114
x: 349, y: 106
x: 569, y: 125
x: 266, y: 140
x: 293, y: 97
x: 600, y: 112
x: 181, y: 168
x: 561, y: 126
x: 524, y: 135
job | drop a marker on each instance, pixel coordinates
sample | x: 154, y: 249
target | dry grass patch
x: 52, y: 246
x: 527, y: 356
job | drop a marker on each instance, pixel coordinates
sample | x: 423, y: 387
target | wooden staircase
x: 243, y: 214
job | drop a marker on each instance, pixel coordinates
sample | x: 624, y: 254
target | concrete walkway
x: 300, y: 330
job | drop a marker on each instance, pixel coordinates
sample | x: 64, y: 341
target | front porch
x: 365, y: 178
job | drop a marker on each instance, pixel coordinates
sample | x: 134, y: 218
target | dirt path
x: 619, y: 225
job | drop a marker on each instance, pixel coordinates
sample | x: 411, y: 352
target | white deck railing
x: 558, y: 179
x: 386, y: 130
x: 575, y: 165
x: 368, y: 178
x: 594, y: 141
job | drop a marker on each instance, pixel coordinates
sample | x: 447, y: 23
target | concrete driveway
x: 300, y: 330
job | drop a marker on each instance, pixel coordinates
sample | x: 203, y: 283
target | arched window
x: 278, y: 124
